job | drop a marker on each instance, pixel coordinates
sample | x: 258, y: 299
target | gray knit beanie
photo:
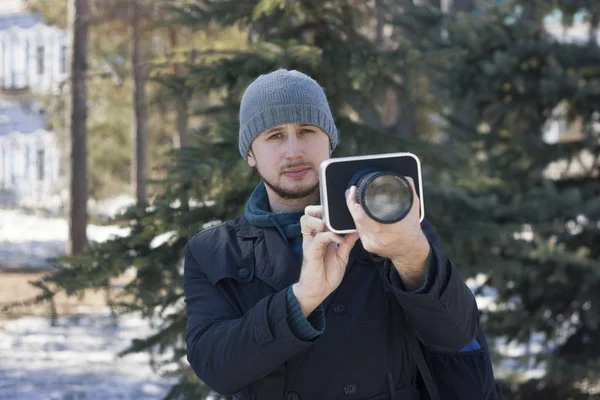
x: 283, y: 97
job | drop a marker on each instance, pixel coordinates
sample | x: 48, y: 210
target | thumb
x: 347, y: 244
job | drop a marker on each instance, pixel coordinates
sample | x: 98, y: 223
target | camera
x: 382, y: 188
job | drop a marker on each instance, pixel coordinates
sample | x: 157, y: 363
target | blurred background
x: 118, y: 142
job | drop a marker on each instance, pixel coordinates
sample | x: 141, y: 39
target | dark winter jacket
x: 239, y: 339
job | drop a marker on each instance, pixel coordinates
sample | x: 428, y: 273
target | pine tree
x: 334, y: 43
x: 111, y: 85
x: 486, y: 184
x: 527, y: 215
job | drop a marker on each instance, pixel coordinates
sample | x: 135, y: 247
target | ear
x: 251, y: 160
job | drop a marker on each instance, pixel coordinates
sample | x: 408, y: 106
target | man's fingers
x: 356, y: 210
x: 347, y: 244
x: 322, y: 241
x: 324, y: 238
x: 311, y: 225
x: 318, y: 245
x: 415, y: 194
x: 314, y: 211
x: 351, y: 200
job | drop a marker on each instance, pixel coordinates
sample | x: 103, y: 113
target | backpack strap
x: 413, y: 344
x: 415, y: 349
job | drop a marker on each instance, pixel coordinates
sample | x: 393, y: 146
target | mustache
x: 292, y: 166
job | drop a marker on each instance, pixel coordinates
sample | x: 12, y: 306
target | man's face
x: 287, y: 158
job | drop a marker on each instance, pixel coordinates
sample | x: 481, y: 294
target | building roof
x: 22, y: 20
x: 13, y: 13
x: 20, y: 116
x: 11, y: 6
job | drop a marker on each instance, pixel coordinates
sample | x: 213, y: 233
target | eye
x: 275, y: 136
x: 306, y: 130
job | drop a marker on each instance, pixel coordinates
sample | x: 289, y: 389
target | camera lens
x: 385, y: 196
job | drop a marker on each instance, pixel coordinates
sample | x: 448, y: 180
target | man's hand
x: 325, y: 256
x: 403, y: 242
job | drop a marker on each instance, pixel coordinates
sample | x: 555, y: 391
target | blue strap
x: 474, y: 345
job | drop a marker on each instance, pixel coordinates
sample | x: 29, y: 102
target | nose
x: 294, y: 147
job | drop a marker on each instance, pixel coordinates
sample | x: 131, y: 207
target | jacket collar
x: 246, y: 230
x: 274, y: 261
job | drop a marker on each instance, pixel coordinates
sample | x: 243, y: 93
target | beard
x: 288, y: 194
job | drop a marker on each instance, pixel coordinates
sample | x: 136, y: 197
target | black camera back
x: 336, y: 173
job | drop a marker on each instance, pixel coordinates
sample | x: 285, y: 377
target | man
x: 280, y: 308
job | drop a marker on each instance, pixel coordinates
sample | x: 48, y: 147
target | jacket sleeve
x: 445, y: 316
x: 225, y: 349
x: 307, y: 329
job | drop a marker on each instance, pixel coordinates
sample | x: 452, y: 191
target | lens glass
x: 387, y: 197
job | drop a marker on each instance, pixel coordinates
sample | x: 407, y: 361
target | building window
x: 63, y: 59
x: 62, y: 165
x: 13, y: 63
x: 3, y: 68
x: 2, y: 166
x: 40, y: 165
x: 4, y: 64
x: 27, y: 161
x: 12, y: 167
x: 40, y: 60
x: 27, y: 62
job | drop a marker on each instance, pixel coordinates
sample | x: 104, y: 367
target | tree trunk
x: 76, y: 124
x: 406, y: 122
x: 530, y: 13
x: 462, y: 113
x: 593, y: 30
x: 139, y: 161
x: 461, y: 5
x: 398, y: 110
x: 180, y: 102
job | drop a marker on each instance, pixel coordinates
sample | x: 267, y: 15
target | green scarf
x: 258, y: 213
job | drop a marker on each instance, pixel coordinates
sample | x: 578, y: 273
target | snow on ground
x: 76, y: 359
x: 30, y: 240
x: 512, y: 350
x: 111, y: 207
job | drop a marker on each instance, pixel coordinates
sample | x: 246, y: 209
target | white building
x: 33, y: 60
x: 29, y: 157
